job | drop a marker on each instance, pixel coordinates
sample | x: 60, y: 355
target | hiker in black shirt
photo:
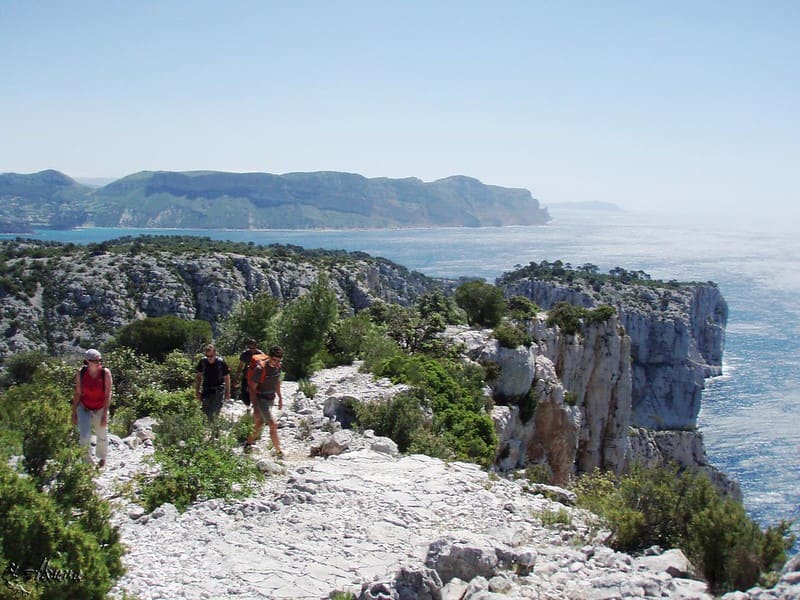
x: 214, y: 375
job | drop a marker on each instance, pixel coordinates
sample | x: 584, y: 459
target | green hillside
x: 41, y: 200
x: 210, y: 199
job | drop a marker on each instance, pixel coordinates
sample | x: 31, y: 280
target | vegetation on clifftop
x: 445, y: 413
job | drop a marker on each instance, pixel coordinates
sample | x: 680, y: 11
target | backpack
x: 219, y: 364
x: 255, y: 361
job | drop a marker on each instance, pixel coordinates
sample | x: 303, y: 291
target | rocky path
x: 372, y: 523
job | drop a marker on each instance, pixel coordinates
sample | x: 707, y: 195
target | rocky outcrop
x: 564, y: 401
x: 369, y: 523
x: 651, y: 448
x: 82, y: 296
x: 676, y: 332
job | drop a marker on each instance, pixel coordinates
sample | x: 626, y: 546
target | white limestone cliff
x: 676, y: 332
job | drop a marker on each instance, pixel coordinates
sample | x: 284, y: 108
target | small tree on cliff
x: 483, y: 303
x: 303, y: 326
x: 250, y: 319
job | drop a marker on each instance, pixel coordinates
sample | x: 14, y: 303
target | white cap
x: 92, y: 354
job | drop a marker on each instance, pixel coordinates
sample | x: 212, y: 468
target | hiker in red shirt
x: 90, y: 404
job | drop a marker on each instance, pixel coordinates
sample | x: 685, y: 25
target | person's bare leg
x: 257, y: 427
x: 273, y: 435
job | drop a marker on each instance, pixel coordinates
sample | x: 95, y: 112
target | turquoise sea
x: 750, y: 416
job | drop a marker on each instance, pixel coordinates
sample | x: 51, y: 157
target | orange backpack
x: 257, y: 360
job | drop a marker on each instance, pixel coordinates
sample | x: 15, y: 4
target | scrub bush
x: 56, y: 538
x: 156, y: 337
x: 196, y: 463
x: 670, y: 508
x: 399, y: 418
x: 483, y: 303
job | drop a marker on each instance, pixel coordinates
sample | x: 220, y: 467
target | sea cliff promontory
x: 214, y: 200
x: 609, y: 389
x: 343, y: 510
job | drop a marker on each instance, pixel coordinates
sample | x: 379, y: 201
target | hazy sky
x: 693, y: 105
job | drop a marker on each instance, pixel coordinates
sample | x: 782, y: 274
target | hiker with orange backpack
x: 90, y: 404
x: 240, y: 378
x: 264, y: 380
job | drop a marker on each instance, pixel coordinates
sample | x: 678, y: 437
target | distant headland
x: 219, y: 200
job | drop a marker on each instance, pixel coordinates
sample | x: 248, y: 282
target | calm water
x: 750, y: 416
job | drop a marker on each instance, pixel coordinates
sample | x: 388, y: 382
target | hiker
x: 212, y: 381
x: 265, y: 384
x: 240, y: 378
x: 90, y: 404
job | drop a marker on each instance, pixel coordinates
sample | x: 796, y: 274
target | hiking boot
x: 101, y: 463
x: 248, y: 448
x: 278, y: 454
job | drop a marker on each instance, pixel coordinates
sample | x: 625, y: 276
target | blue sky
x: 685, y: 105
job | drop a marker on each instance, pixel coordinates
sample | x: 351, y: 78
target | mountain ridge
x: 298, y: 200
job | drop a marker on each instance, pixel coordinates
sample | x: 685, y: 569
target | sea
x: 750, y: 416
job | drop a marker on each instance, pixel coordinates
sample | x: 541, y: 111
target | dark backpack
x: 220, y: 362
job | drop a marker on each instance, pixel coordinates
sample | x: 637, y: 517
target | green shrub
x: 132, y: 373
x: 492, y: 370
x: 121, y: 421
x: 566, y: 316
x: 470, y: 435
x: 522, y: 308
x: 453, y: 391
x: 21, y: 367
x: 155, y: 402
x: 346, y: 338
x: 425, y: 441
x: 398, y: 418
x: 176, y: 372
x: 36, y: 423
x: 670, y: 508
x: 308, y: 389
x: 539, y: 473
x: 553, y: 517
x: 437, y: 303
x: 156, y: 337
x: 37, y: 531
x: 511, y: 336
x: 195, y: 463
x: 250, y: 319
x: 601, y: 314
x: 483, y: 303
x: 49, y: 513
x: 302, y: 328
x: 379, y: 350
x: 242, y: 428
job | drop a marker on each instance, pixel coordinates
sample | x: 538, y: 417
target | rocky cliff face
x: 677, y: 335
x: 79, y: 299
x: 576, y: 391
x: 620, y: 391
